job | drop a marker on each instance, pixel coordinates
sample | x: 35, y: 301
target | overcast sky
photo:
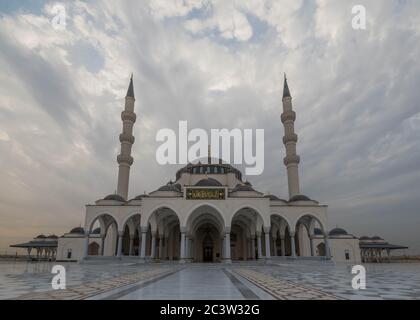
x: 216, y: 64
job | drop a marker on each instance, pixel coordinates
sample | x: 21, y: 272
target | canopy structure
x: 376, y: 249
x: 46, y: 247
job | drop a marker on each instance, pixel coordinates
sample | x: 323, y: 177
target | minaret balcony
x: 293, y: 159
x: 128, y: 116
x: 124, y: 137
x: 290, y: 138
x: 124, y: 159
x: 288, y: 116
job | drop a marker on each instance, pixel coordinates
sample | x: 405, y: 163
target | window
x: 347, y: 254
x: 69, y: 254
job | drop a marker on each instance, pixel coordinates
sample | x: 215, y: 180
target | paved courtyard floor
x: 277, y: 280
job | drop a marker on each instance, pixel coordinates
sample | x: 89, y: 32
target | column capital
x: 183, y: 229
x: 144, y: 229
x: 292, y: 234
x: 227, y: 229
x: 267, y: 229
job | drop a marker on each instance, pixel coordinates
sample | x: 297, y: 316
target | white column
x: 102, y: 244
x: 227, y: 248
x: 130, y: 250
x: 119, y: 247
x: 182, y: 246
x: 282, y: 246
x: 275, y: 246
x: 311, y: 240
x: 161, y: 247
x: 327, y: 246
x: 86, y: 245
x: 153, y: 251
x: 187, y: 247
x: 143, y: 242
x: 259, y: 246
x: 223, y: 247
x: 293, y: 245
x: 267, y: 244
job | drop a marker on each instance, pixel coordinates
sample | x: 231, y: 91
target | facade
x: 207, y: 214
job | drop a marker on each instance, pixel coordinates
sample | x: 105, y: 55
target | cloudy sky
x: 216, y: 64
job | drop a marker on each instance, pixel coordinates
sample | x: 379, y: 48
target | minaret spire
x: 124, y: 159
x: 292, y: 160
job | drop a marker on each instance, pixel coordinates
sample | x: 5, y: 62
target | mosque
x: 207, y: 214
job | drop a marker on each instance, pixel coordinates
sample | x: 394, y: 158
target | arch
x: 308, y: 223
x: 105, y: 219
x: 260, y: 218
x: 145, y: 218
x: 281, y: 222
x: 130, y: 217
x: 205, y: 210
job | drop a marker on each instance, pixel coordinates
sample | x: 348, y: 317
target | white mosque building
x: 207, y: 214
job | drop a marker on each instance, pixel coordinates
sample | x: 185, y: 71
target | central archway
x: 205, y: 231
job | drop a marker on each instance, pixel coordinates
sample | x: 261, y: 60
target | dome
x: 140, y: 197
x: 41, y: 236
x: 376, y: 238
x: 171, y: 187
x: 242, y: 187
x: 318, y: 232
x: 78, y: 230
x: 53, y: 236
x: 115, y: 197
x: 299, y: 197
x: 96, y: 231
x: 338, y: 232
x: 209, y: 182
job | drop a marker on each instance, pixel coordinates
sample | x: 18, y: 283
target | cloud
x: 217, y: 64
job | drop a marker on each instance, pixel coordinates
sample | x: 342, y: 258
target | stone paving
x: 88, y: 290
x: 283, y: 289
x: 275, y: 280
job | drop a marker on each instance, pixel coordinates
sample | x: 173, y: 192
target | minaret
x: 125, y: 160
x: 291, y: 161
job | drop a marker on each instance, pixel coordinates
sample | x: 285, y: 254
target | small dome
x: 299, y: 197
x: 318, y: 232
x: 41, y: 236
x: 115, y: 197
x: 209, y: 182
x: 338, y: 232
x: 170, y: 186
x: 376, y: 238
x: 53, y: 236
x: 242, y: 187
x: 96, y: 231
x: 78, y: 230
x: 364, y: 238
x: 140, y: 197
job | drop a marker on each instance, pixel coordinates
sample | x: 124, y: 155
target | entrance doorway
x: 207, y: 249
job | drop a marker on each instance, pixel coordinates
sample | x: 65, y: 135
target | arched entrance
x: 204, y: 236
x: 246, y: 232
x: 103, y: 231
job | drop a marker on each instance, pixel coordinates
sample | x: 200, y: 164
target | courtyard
x: 277, y: 280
